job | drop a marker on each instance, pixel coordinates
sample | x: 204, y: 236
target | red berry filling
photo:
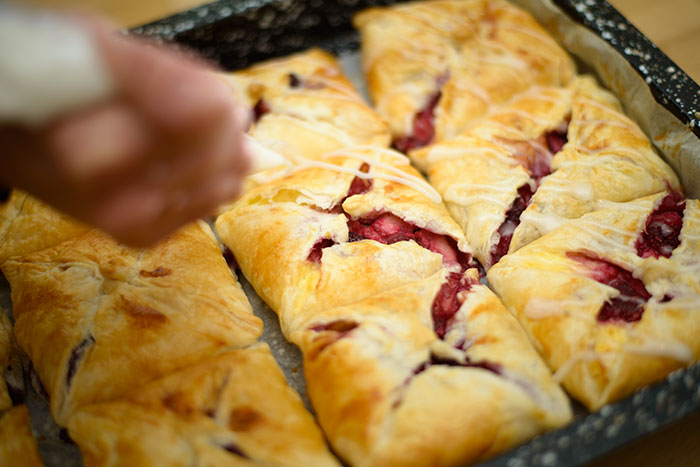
x: 629, y: 305
x: 76, y: 355
x: 423, y: 127
x: 260, y: 109
x: 234, y: 449
x: 296, y: 82
x: 435, y: 360
x: 340, y: 326
x: 387, y: 228
x: 538, y: 165
x: 507, y: 228
x: 447, y: 302
x: 663, y: 228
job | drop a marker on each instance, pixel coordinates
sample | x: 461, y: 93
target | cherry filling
x: 260, y: 109
x: 629, y: 305
x: 435, y: 360
x: 230, y: 258
x: 76, y: 355
x: 423, y: 127
x: 538, y: 165
x: 296, y: 82
x: 341, y: 326
x: 507, y: 228
x: 663, y: 227
x: 317, y: 250
x: 447, y: 302
x: 387, y: 228
x: 234, y: 449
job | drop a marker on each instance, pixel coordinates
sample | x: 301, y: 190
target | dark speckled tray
x: 236, y: 33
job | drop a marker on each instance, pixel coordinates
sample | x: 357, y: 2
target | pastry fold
x: 409, y: 360
x: 28, y: 225
x: 97, y: 318
x: 435, y: 67
x: 232, y: 409
x: 550, y: 155
x: 18, y: 447
x: 303, y: 106
x: 611, y: 298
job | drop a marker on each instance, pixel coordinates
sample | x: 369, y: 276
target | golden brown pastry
x: 303, y: 106
x: 17, y: 444
x: 28, y: 225
x: 409, y: 360
x: 232, y: 409
x: 5, y: 348
x: 434, y: 67
x: 550, y: 155
x: 97, y: 318
x: 611, y: 298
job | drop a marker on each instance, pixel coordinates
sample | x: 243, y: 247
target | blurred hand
x: 167, y: 148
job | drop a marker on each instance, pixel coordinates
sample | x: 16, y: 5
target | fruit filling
x: 626, y: 307
x: 538, y: 164
x: 435, y: 360
x: 387, y: 228
x: 234, y: 449
x: 260, y: 109
x: 423, y: 127
x: 296, y: 82
x: 447, y: 302
x: 340, y: 326
x: 76, y: 355
x: 507, y: 228
x: 663, y: 228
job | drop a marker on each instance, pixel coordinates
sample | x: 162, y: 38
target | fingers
x: 96, y: 143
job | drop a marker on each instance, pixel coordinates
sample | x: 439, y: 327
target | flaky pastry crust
x: 454, y: 59
x: 97, y: 318
x: 232, y: 409
x: 568, y: 289
x: 552, y: 154
x: 303, y: 106
x: 28, y: 225
x: 391, y: 383
x: 17, y: 444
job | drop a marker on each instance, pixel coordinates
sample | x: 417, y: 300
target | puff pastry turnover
x: 97, y: 318
x: 409, y: 360
x: 550, y: 155
x: 232, y: 409
x: 611, y: 298
x: 303, y: 106
x: 17, y: 444
x: 434, y: 67
x: 28, y: 225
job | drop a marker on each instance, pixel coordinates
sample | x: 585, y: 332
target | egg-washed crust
x: 467, y: 54
x: 97, y: 318
x: 28, y: 225
x: 5, y: 349
x: 551, y: 286
x: 480, y: 175
x: 18, y: 447
x: 387, y: 389
x: 232, y: 409
x: 303, y: 106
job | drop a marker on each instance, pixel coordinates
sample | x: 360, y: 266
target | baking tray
x: 654, y: 90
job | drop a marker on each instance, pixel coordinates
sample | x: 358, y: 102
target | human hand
x: 165, y: 149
